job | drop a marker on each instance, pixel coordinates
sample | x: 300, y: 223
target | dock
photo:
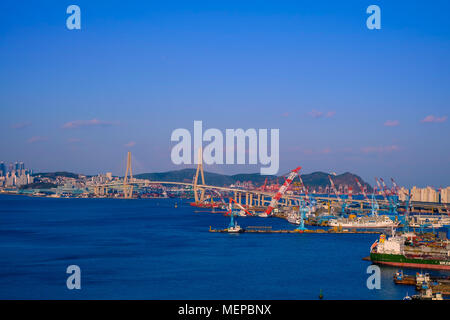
x: 442, y: 288
x: 436, y: 284
x: 263, y: 229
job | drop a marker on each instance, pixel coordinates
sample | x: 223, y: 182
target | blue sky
x: 345, y: 98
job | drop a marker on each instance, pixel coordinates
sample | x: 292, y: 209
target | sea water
x: 150, y: 249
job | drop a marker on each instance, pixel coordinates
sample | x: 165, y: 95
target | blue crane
x: 375, y: 206
x: 303, y: 209
x: 407, y: 200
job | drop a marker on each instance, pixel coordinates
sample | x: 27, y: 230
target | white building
x: 428, y: 194
x: 445, y: 195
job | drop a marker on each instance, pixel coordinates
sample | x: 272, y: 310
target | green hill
x: 314, y: 179
x: 53, y: 175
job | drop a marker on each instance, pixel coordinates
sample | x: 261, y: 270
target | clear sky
x: 345, y: 98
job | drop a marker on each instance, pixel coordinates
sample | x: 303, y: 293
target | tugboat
x: 428, y: 295
x: 233, y: 227
x: 400, y: 278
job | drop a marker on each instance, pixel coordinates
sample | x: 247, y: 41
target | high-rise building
x: 445, y: 195
x: 2, y: 169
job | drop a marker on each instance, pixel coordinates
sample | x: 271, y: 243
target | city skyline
x: 345, y: 98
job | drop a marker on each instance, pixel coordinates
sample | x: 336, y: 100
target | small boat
x: 428, y: 295
x: 263, y: 215
x: 293, y: 218
x: 400, y: 278
x: 235, y: 229
x: 407, y: 297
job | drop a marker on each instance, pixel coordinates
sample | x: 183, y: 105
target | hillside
x: 314, y: 179
x: 53, y: 175
x: 186, y: 175
x: 38, y: 185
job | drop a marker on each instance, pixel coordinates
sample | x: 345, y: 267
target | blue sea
x: 148, y: 249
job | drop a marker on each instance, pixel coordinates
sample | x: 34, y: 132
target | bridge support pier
x: 127, y: 188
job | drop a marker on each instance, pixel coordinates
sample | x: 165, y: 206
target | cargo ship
x: 406, y: 250
x: 371, y: 222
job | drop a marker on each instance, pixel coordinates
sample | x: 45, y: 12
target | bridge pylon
x: 128, y: 188
x: 199, y: 193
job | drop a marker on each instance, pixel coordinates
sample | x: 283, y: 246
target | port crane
x: 334, y: 188
x: 381, y: 189
x: 384, y: 187
x: 233, y: 226
x: 391, y: 195
x: 303, y: 209
x: 220, y: 196
x: 362, y: 189
x: 340, y: 199
x: 408, y: 203
x: 395, y: 186
x: 305, y: 191
x: 375, y: 206
x: 240, y: 206
x: 393, y: 204
x: 282, y: 190
x: 263, y: 187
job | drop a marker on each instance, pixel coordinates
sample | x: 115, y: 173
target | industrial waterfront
x: 150, y: 249
x: 182, y: 237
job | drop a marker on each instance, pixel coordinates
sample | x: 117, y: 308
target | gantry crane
x: 362, y: 189
x: 384, y: 187
x: 381, y: 189
x: 340, y: 199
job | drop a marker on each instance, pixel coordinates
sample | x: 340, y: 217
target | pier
x: 268, y: 229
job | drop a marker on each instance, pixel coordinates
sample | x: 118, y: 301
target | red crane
x: 395, y: 186
x: 282, y: 190
x: 263, y: 187
x: 386, y: 192
x: 240, y: 207
x: 303, y: 187
x: 362, y: 188
x: 333, y: 187
x: 380, y: 188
